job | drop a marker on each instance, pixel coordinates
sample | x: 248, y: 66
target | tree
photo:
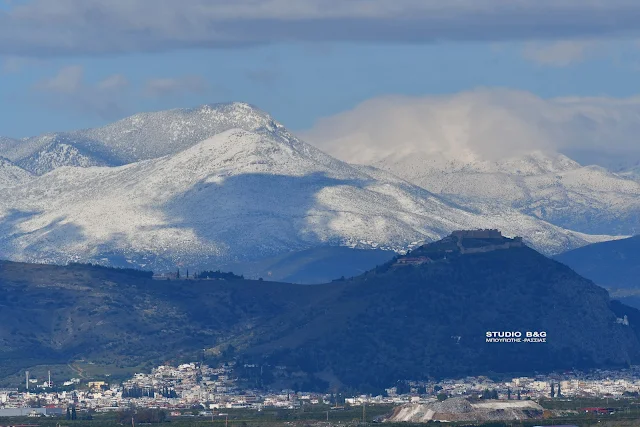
x: 442, y: 397
x: 125, y: 417
x: 519, y: 395
x: 402, y: 388
x: 559, y: 392
x: 74, y: 416
x: 178, y: 274
x: 553, y: 391
x: 88, y: 416
x: 153, y: 416
x: 494, y: 394
x: 508, y: 394
x: 68, y: 413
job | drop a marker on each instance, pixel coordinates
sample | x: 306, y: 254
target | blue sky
x: 65, y: 74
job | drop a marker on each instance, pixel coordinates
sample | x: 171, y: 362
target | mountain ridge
x: 548, y: 186
x: 154, y: 176
x: 279, y: 195
x: 142, y: 136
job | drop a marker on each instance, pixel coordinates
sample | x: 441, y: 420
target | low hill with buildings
x: 472, y: 303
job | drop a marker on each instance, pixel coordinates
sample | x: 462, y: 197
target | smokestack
x: 27, y: 382
x: 49, y: 383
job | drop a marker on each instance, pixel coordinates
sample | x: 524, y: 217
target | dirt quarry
x: 460, y: 409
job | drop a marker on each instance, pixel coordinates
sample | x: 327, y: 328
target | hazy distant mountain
x: 621, y: 163
x: 548, y: 186
x: 425, y: 318
x: 613, y: 264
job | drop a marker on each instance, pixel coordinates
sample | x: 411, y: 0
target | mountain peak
x: 240, y: 107
x: 251, y: 116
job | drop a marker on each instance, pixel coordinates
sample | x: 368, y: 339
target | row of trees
x: 210, y: 275
x: 142, y: 416
x: 148, y: 274
x: 489, y: 394
x: 215, y: 275
x: 71, y: 413
x: 135, y: 392
x: 493, y: 394
x: 129, y: 271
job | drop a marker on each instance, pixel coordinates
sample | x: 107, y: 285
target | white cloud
x: 562, y: 53
x: 45, y: 27
x: 164, y: 87
x: 114, y: 82
x: 69, y: 80
x: 68, y: 89
x: 486, y: 123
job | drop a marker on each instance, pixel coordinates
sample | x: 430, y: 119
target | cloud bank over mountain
x: 487, y: 124
x: 42, y: 27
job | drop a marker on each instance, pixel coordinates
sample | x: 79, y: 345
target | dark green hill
x: 53, y: 314
x: 614, y: 264
x: 425, y: 314
x: 428, y: 316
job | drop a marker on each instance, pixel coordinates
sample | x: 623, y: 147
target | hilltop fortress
x: 478, y: 234
x: 477, y: 241
x: 460, y: 243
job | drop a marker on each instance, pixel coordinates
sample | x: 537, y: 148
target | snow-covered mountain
x: 12, y: 175
x: 7, y: 144
x: 140, y: 137
x: 236, y: 195
x: 548, y: 186
x: 53, y: 151
x: 631, y: 173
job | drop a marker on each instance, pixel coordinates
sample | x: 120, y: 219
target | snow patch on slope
x: 12, y: 175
